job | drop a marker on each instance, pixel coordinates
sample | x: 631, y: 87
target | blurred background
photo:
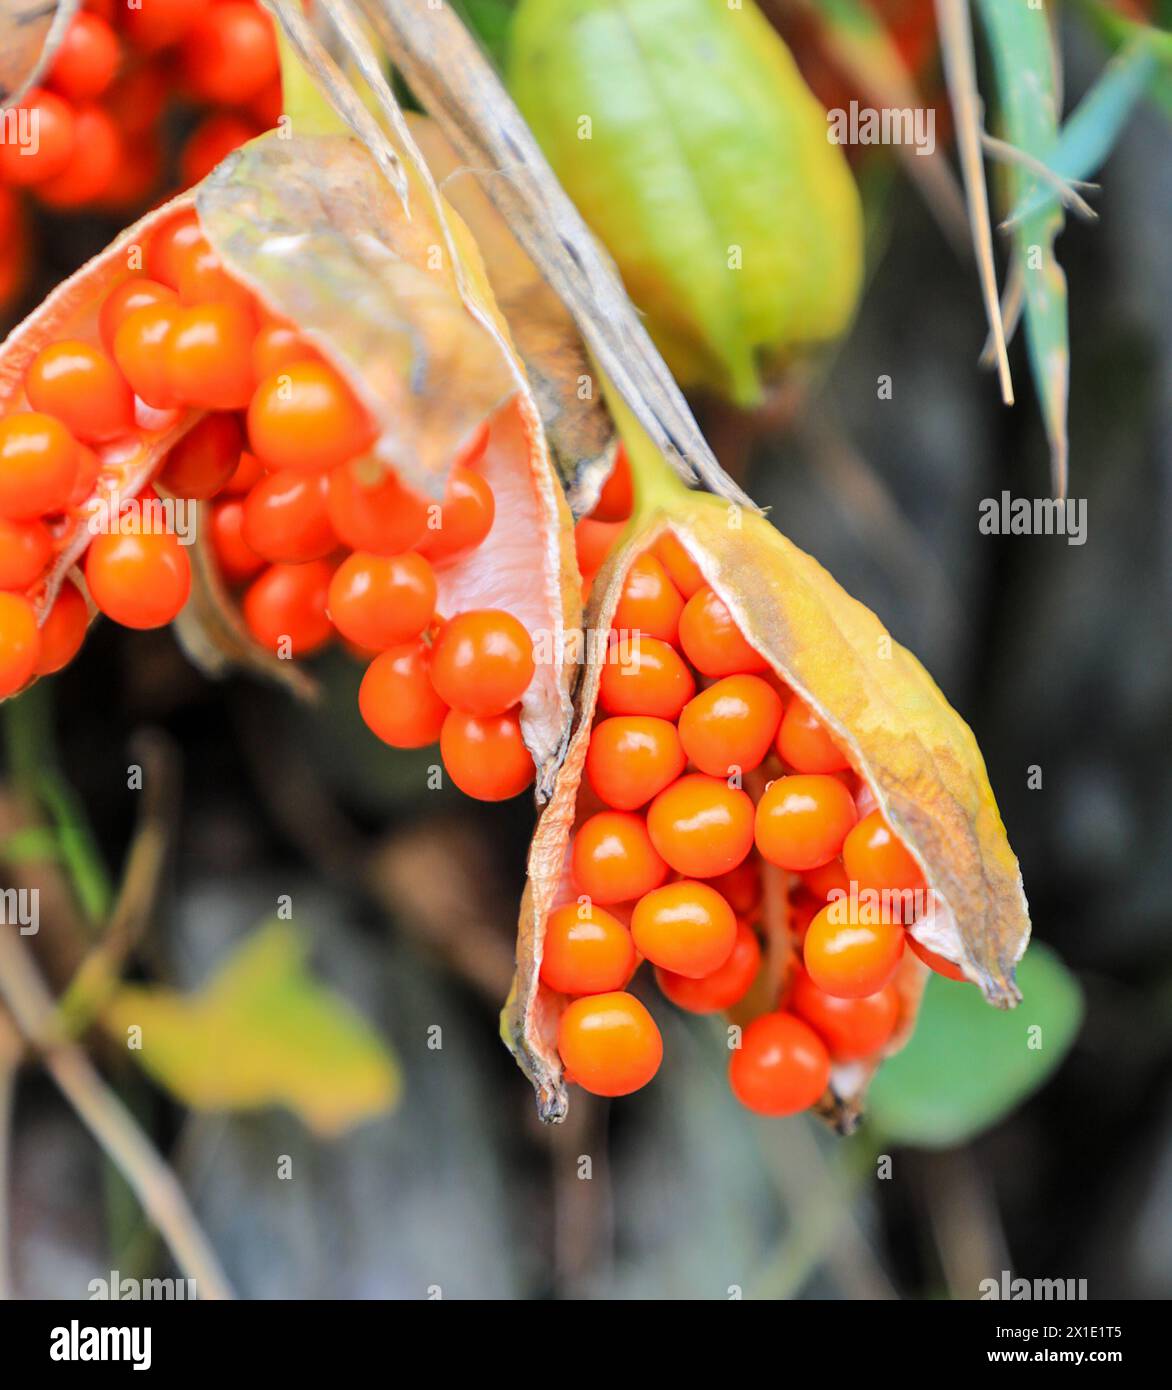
x: 1059, y: 657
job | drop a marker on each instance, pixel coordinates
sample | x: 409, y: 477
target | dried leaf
x: 261, y: 1032
x: 684, y: 133
x: 30, y: 31
x: 580, y: 432
x: 312, y: 229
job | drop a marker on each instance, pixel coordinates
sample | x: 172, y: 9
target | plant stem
x: 116, y: 1130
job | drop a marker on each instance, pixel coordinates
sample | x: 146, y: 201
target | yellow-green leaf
x: 262, y: 1032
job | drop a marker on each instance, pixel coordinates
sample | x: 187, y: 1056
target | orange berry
x: 647, y: 677
x: 170, y: 245
x: 285, y: 608
x: 685, y: 572
x: 276, y: 347
x: 730, y: 726
x: 701, y: 826
x: 938, y: 963
x: 20, y: 643
x: 140, y: 343
x: 157, y: 23
x: 586, y: 951
x: 803, y: 742
x: 50, y: 142
x: 741, y: 887
x: 397, y: 699
x: 632, y: 757
x: 211, y: 141
x: 617, y: 495
x: 465, y: 518
x: 140, y: 580
x: 203, y: 280
x: 781, y: 1066
x: 482, y: 661
x: 609, y: 1044
x: 135, y: 293
x: 286, y: 518
x: 712, y: 641
x: 230, y: 53
x: 38, y: 465
x: 650, y: 603
x: 63, y: 630
x: 827, y: 878
x: 83, y: 388
x: 851, y: 958
x: 209, y: 356
x: 85, y: 64
x: 305, y: 416
x: 877, y: 860
x: 486, y: 756
x: 685, y: 927
x: 802, y: 821
x: 372, y: 510
x: 249, y: 471
x: 850, y: 1028
x: 593, y: 542
x: 613, y: 859
x: 235, y: 557
x: 89, y: 466
x: 25, y: 551
x: 725, y: 986
x: 98, y: 151
x: 204, y: 459
x: 381, y: 601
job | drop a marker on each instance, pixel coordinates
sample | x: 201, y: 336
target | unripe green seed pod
x: 686, y: 136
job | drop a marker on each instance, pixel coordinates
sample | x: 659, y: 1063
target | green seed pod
x: 686, y: 136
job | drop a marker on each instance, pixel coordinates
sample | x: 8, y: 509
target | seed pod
x: 913, y: 754
x: 30, y: 32
x: 686, y: 136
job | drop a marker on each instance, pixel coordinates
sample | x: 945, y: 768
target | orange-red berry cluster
x: 667, y: 857
x: 325, y: 536
x: 90, y: 135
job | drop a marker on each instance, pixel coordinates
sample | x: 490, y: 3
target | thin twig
x: 112, y: 1125
x: 956, y: 44
x: 10, y: 1053
x: 1066, y: 190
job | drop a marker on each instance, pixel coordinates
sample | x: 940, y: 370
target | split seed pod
x: 900, y: 735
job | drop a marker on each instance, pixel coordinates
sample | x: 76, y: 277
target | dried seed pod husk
x: 891, y: 720
x: 30, y: 33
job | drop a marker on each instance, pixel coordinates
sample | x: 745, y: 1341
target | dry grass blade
x: 299, y: 34
x: 1065, y: 189
x: 458, y: 87
x: 956, y: 42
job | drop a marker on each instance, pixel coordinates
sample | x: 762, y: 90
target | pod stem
x: 302, y: 102
x: 657, y: 486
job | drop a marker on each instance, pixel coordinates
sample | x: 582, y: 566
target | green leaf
x: 1090, y: 133
x: 1027, y: 86
x: 261, y: 1032
x: 1115, y: 31
x: 968, y: 1065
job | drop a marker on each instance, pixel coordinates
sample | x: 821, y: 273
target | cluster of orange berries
x: 91, y: 134
x: 325, y: 537
x: 666, y: 861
